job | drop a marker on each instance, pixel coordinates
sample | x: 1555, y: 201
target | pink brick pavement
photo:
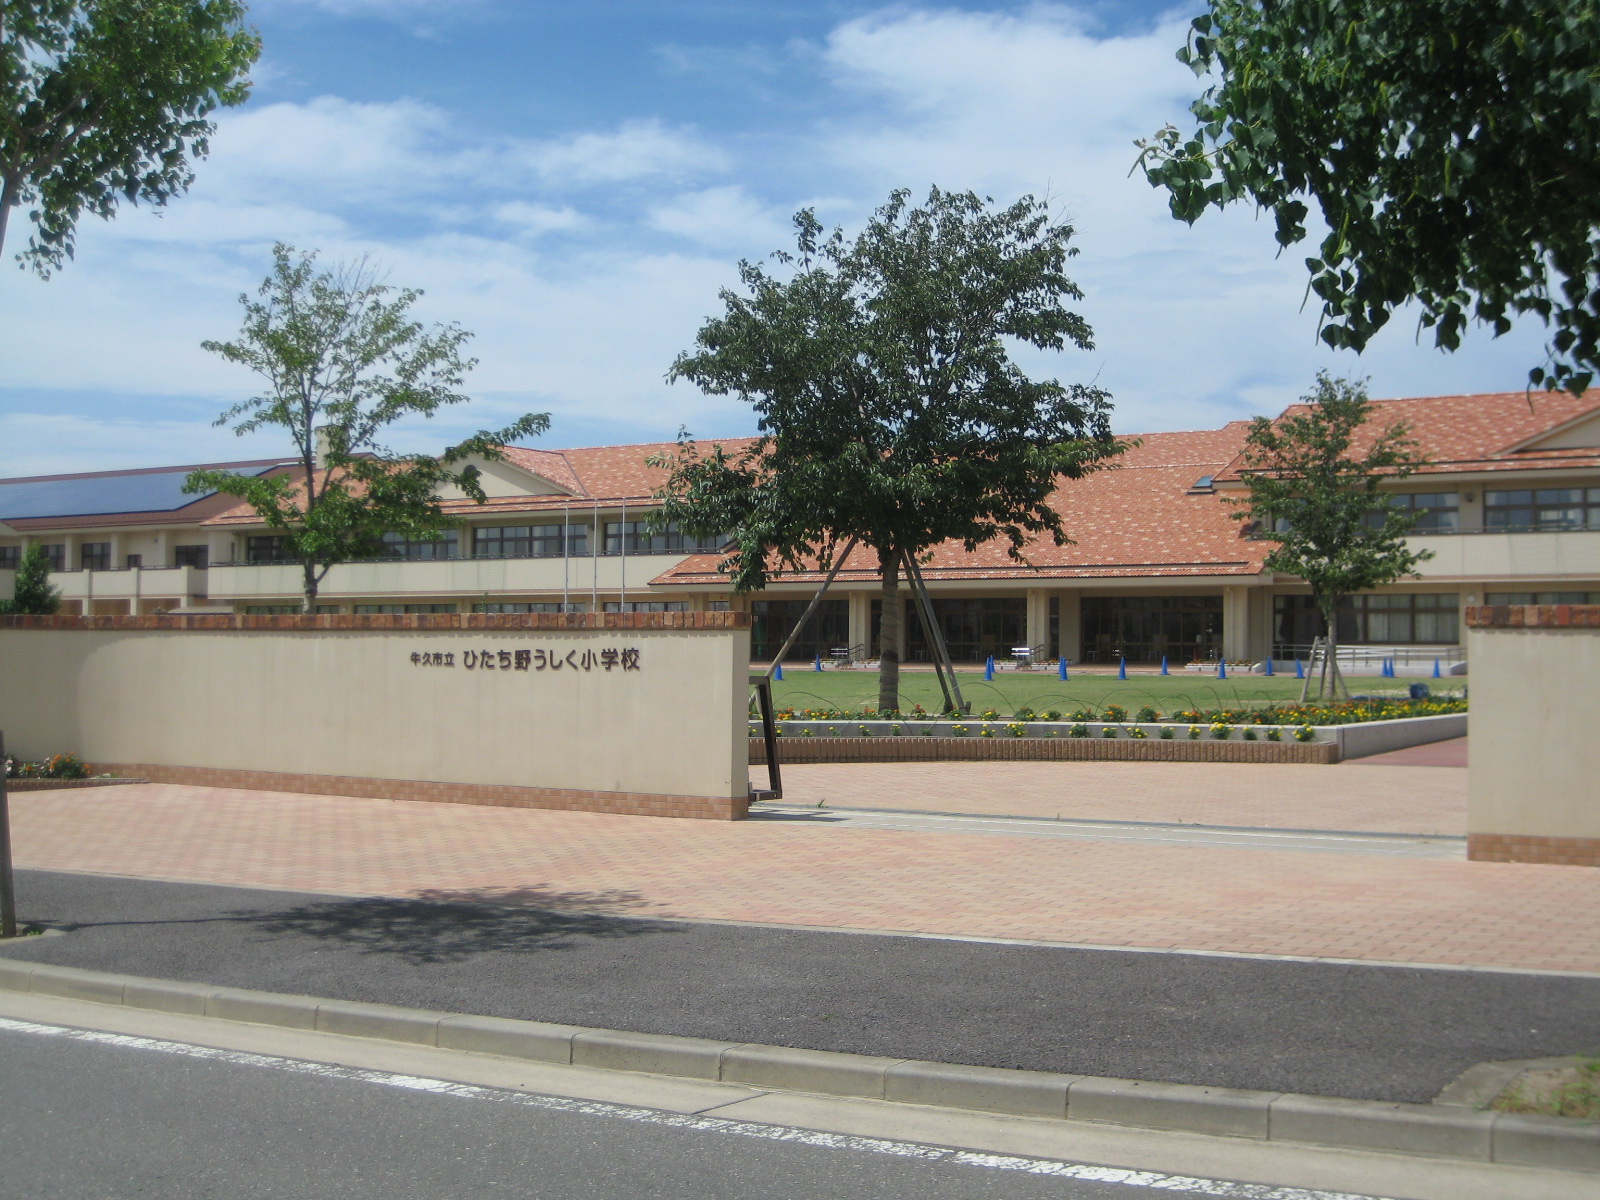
x: 1377, y: 799
x: 1145, y: 894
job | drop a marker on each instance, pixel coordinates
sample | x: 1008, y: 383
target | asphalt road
x: 127, y: 1120
x: 1373, y: 1032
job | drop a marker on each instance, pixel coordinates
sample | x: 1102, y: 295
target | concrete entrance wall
x: 634, y: 713
x: 1533, y: 779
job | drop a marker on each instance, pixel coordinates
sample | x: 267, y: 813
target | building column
x: 1069, y: 621
x: 861, y: 620
x: 1039, y: 620
x: 1260, y: 623
x: 1235, y: 623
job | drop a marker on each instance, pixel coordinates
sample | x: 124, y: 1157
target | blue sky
x: 573, y: 180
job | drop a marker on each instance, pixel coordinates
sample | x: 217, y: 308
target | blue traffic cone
x: 817, y: 665
x: 988, y: 668
x: 1163, y: 664
x: 1269, y: 670
x: 1122, y: 668
x: 1299, y: 669
x: 777, y: 673
x: 1063, y: 666
x: 1436, y: 668
x: 1222, y: 668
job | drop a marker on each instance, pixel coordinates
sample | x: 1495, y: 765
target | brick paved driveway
x: 1144, y: 894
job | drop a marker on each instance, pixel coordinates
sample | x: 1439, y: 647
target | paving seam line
x: 1438, y: 1131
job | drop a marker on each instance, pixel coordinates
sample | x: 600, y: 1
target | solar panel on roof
x: 157, y: 492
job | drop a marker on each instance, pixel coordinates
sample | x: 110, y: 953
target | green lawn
x: 855, y: 689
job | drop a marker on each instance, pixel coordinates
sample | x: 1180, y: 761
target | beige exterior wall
x: 1490, y: 557
x: 1535, y: 763
x: 351, y: 702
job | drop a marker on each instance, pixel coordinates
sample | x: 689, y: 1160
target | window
x: 519, y: 607
x: 771, y: 622
x: 10, y: 556
x: 265, y: 548
x: 191, y: 556
x: 95, y: 556
x: 134, y: 561
x: 408, y: 549
x: 1542, y: 508
x: 641, y: 537
x: 1436, y: 512
x: 646, y: 606
x: 1541, y: 598
x: 530, y: 541
x: 56, y: 552
x: 399, y: 609
x: 718, y: 606
x: 1414, y: 618
x: 285, y: 610
x: 1141, y: 628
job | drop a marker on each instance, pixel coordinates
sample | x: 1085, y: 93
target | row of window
x: 610, y: 606
x: 1513, y: 509
x: 96, y: 556
x: 515, y: 541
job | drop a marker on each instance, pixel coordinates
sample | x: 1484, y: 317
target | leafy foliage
x: 1316, y: 492
x: 32, y: 593
x: 1452, y: 147
x: 889, y: 408
x: 344, y: 360
x: 106, y: 100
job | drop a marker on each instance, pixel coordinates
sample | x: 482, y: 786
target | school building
x: 1509, y: 506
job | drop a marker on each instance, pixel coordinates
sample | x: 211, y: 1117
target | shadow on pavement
x: 450, y: 926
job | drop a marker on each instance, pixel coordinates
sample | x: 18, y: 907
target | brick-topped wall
x: 622, y: 713
x: 1532, y: 790
x: 1533, y: 616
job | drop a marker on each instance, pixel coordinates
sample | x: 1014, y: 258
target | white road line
x: 1089, y: 1173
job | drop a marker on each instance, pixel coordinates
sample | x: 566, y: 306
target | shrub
x: 1017, y: 729
x: 1110, y: 731
x: 1079, y: 730
x: 1052, y: 714
x: 1115, y: 712
x: 1149, y: 714
x: 1166, y: 733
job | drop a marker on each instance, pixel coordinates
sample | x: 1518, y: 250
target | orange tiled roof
x: 1479, y: 433
x: 1140, y: 517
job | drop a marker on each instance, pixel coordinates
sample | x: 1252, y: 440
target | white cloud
x: 638, y: 149
x: 580, y: 302
x: 532, y: 220
x: 723, y: 218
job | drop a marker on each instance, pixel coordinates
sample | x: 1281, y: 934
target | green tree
x: 344, y: 360
x: 1314, y: 478
x: 105, y: 100
x: 31, y: 590
x: 1452, y: 147
x: 888, y: 406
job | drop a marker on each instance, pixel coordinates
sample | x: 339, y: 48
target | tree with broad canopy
x: 889, y: 408
x: 1452, y: 148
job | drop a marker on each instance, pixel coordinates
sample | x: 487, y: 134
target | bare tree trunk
x: 1332, y: 682
x: 889, y: 633
x: 308, y: 603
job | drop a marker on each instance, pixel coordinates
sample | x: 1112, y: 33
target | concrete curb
x: 1440, y: 1131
